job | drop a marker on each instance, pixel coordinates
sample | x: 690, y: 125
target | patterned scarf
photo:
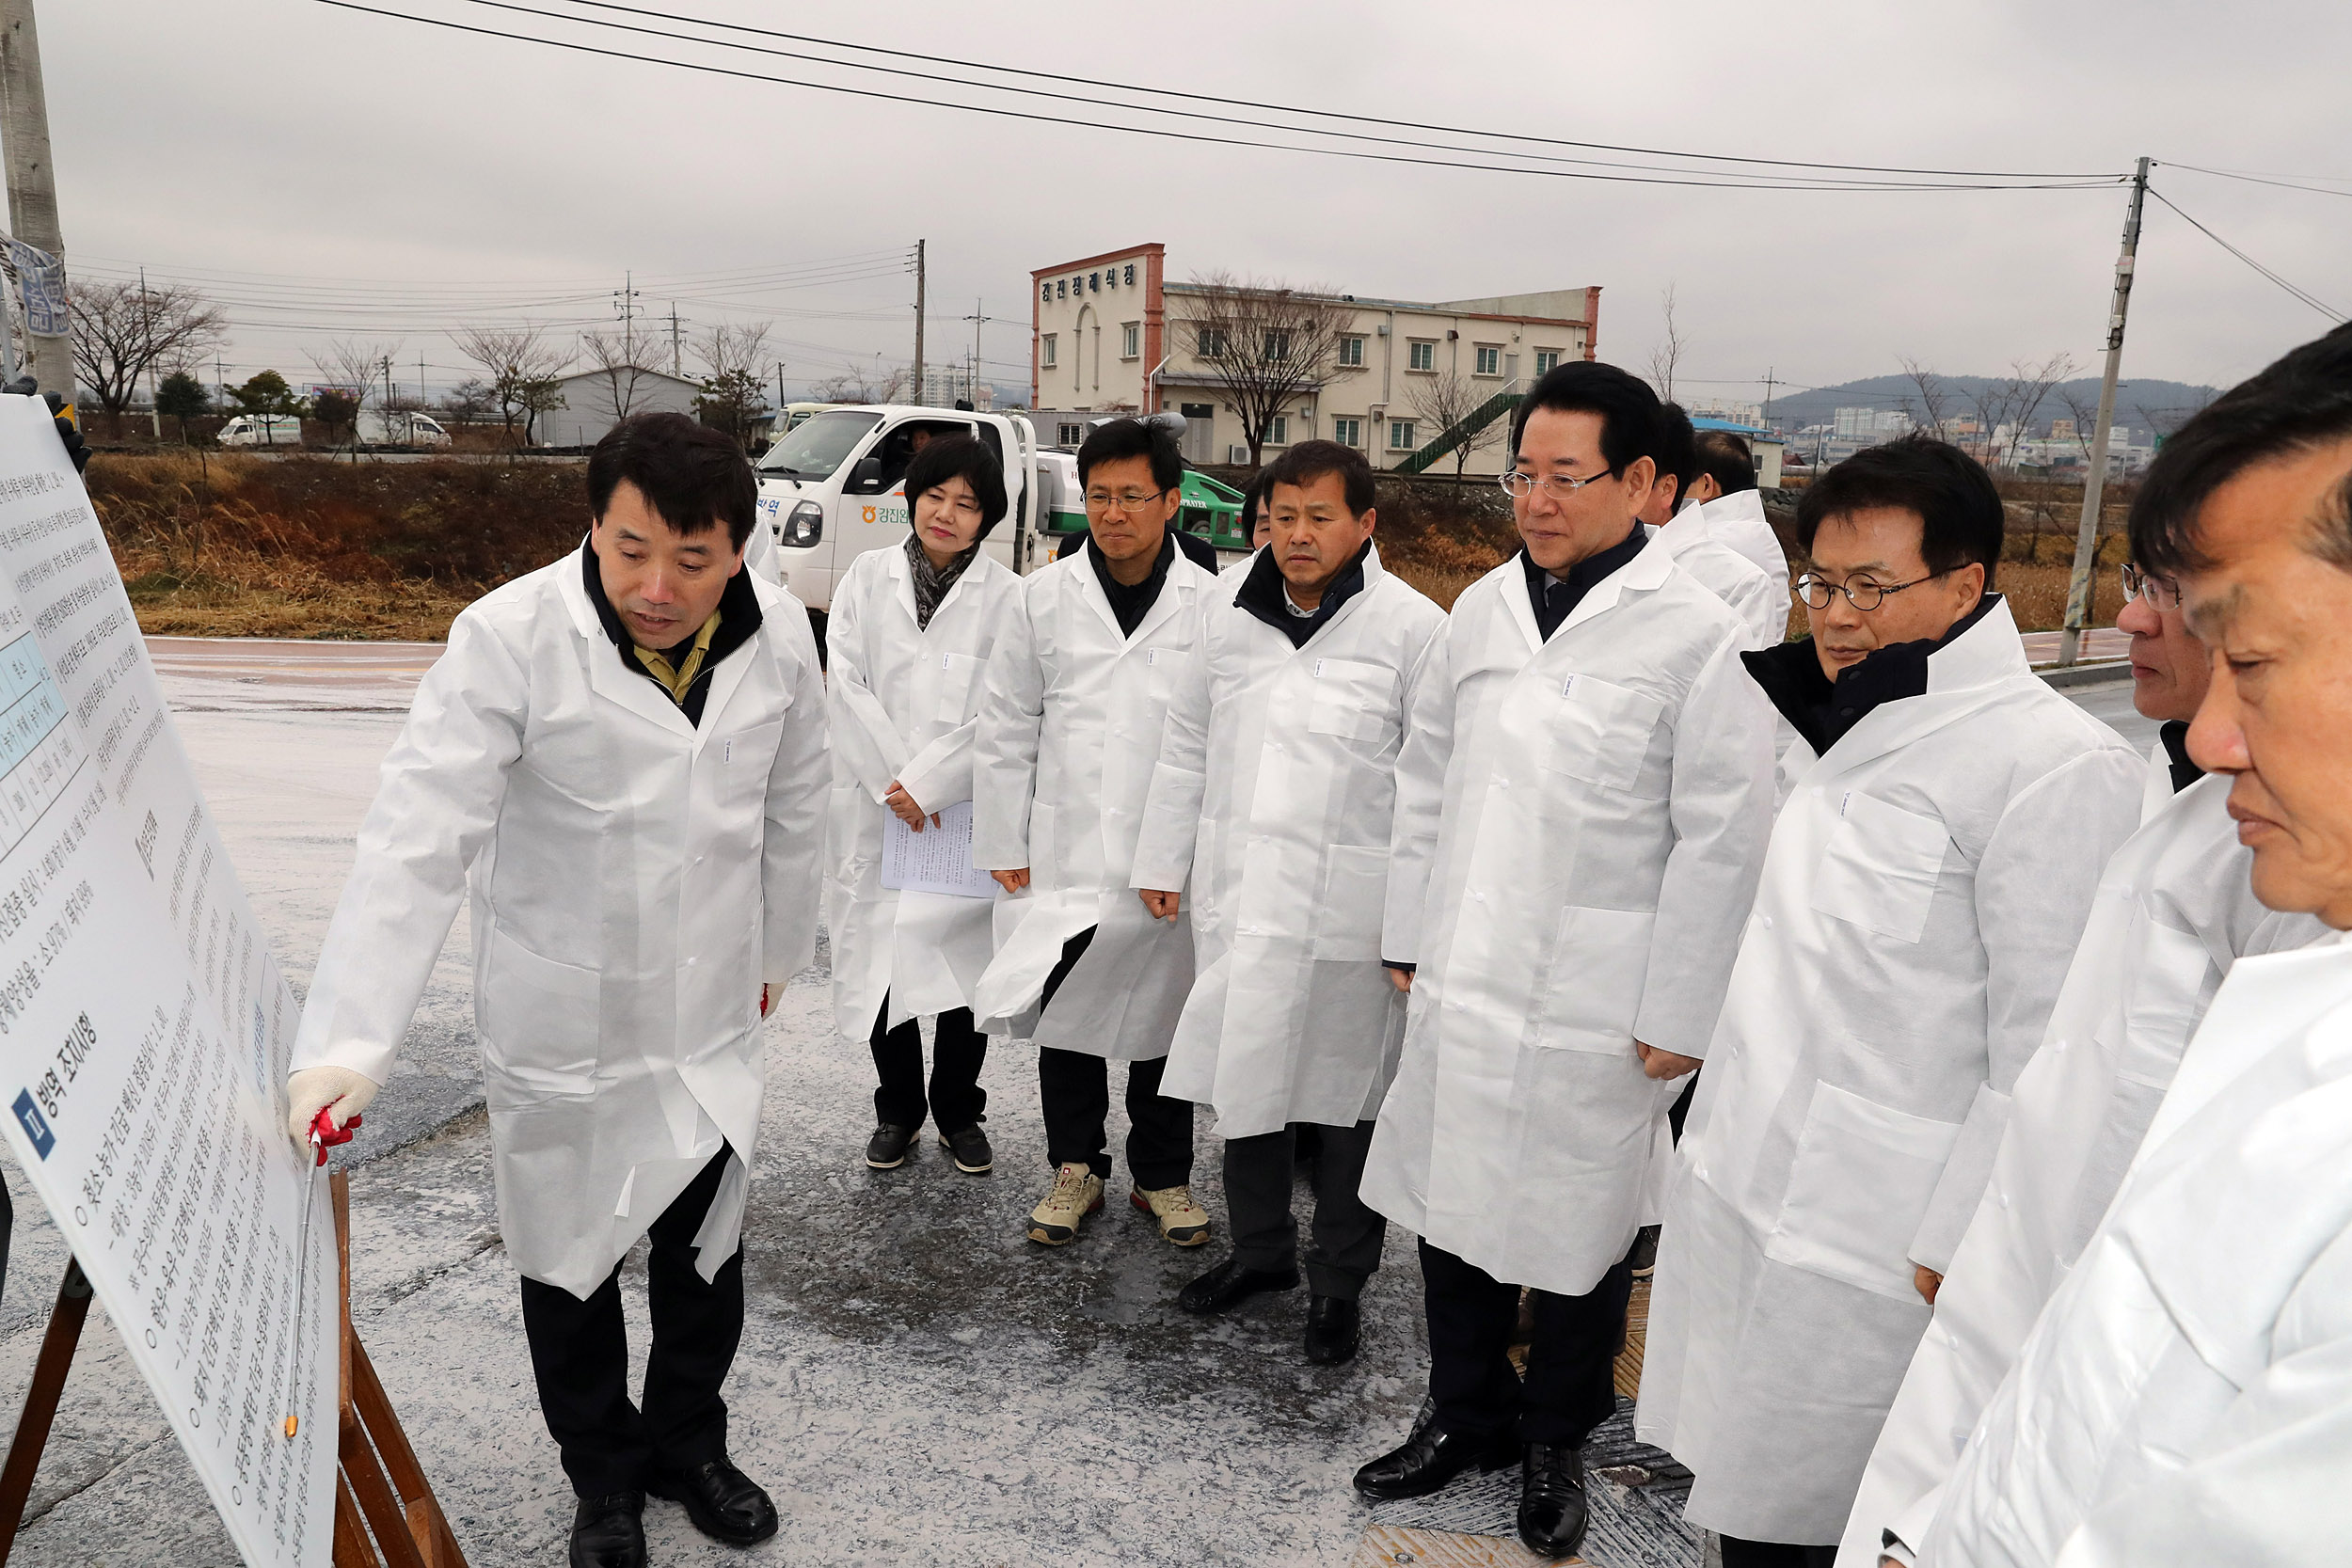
x: 931, y: 584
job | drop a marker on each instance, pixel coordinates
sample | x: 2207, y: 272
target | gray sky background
x: 288, y: 152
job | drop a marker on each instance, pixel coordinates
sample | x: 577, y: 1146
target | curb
x: 2104, y: 673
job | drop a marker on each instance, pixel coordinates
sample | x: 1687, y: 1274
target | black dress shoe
x: 1229, y: 1285
x: 968, y: 1146
x: 1334, y: 1331
x: 1429, y: 1459
x: 1551, y: 1501
x: 724, y: 1503
x: 887, y: 1148
x: 609, y: 1531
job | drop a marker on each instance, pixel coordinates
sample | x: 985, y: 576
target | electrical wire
x: 2284, y: 183
x: 2302, y: 295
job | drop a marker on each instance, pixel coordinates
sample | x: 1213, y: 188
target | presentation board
x: 144, y: 1028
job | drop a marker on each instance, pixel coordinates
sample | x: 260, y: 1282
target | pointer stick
x: 324, y: 1133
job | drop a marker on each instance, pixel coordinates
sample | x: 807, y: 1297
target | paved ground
x: 917, y: 1382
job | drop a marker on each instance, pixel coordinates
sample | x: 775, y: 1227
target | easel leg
x: 41, y: 1401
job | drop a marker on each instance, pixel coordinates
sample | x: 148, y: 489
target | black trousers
x: 1076, y: 1089
x: 956, y: 1100
x: 1772, y: 1554
x: 1344, y: 1236
x: 1571, y: 1385
x: 580, y: 1357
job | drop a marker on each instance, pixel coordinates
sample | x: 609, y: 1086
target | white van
x: 261, y: 430
x: 401, y: 428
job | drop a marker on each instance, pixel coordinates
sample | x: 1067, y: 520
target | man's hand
x: 1664, y: 1065
x: 338, y: 1090
x: 1162, y: 905
x: 1925, y: 1281
x: 1402, y: 979
x: 1012, y: 881
x: 902, y: 805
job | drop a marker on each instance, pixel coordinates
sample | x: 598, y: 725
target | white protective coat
x: 1928, y: 882
x: 2187, y: 1397
x: 1579, y: 828
x: 1067, y: 737
x: 904, y: 702
x: 1272, y: 808
x: 634, y: 881
x: 2173, y: 913
x: 1729, y: 546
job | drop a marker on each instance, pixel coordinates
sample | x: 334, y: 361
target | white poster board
x: 144, y: 1028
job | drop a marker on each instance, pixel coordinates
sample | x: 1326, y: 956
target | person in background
x: 1078, y: 686
x: 1692, y: 534
x: 1583, y: 799
x: 1273, y: 803
x: 1946, y: 818
x: 911, y: 631
x: 622, y: 758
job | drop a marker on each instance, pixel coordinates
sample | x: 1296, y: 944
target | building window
x: 1070, y: 435
x: 1546, y: 361
x: 1351, y: 351
x: 1400, y: 435
x: 1212, y: 342
x: 1276, y: 347
x: 1046, y: 356
x: 1278, y: 430
x: 1348, y: 433
x: 1421, y: 356
x: 1131, y: 275
x: 1131, y: 340
x: 1489, y: 360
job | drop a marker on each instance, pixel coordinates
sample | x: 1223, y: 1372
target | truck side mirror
x: 867, y: 475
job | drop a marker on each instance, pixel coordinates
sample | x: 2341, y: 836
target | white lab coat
x: 1067, y: 737
x: 1928, y: 882
x: 904, y: 702
x: 1272, y: 808
x: 1727, y: 544
x: 635, y: 879
x: 1579, y: 828
x: 2187, y: 1397
x: 2173, y: 913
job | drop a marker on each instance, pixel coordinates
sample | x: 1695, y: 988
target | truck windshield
x: 818, y: 445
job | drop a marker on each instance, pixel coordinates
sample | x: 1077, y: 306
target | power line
x: 2302, y: 295
x: 2284, y: 181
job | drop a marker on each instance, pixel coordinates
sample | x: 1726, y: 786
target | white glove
x: 318, y: 1088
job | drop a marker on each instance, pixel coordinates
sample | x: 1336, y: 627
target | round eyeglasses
x: 2162, y: 593
x: 1558, y: 487
x: 1863, y: 594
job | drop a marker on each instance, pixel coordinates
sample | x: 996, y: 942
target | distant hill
x: 2146, y: 403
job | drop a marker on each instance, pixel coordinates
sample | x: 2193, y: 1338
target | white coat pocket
x: 1600, y: 732
x: 1879, y: 867
x: 1593, y: 985
x: 958, y: 676
x: 1355, y: 895
x: 1353, y: 700
x: 1860, y: 1184
x: 2163, y: 999
x: 745, y: 759
x: 539, y: 1024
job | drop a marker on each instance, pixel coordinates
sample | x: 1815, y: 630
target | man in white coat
x: 1582, y: 801
x: 2173, y: 913
x: 2186, y: 1396
x: 1720, y: 536
x: 1931, y: 870
x: 1078, y: 687
x: 622, y: 758
x: 1273, y: 803
x: 911, y: 631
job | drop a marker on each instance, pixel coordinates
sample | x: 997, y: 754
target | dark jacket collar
x: 1129, y: 605
x: 1555, y: 599
x: 739, y: 618
x: 2174, y: 733
x: 1790, y: 674
x: 1265, y: 595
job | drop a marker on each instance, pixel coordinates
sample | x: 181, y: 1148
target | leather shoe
x: 1229, y: 1285
x: 724, y: 1503
x: 887, y: 1148
x: 1333, y: 1330
x: 1430, y: 1458
x: 1551, y: 1501
x: 609, y: 1531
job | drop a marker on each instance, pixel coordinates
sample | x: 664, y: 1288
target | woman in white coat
x: 909, y: 635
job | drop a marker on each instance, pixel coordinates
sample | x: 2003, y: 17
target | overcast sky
x: 289, y: 152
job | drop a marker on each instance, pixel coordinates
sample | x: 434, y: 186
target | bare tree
x: 1929, y: 401
x: 469, y: 403
x: 358, y: 370
x: 854, y: 386
x: 2029, y: 387
x: 1449, y: 398
x: 521, y: 368
x: 1263, y: 345
x: 1667, y: 356
x: 120, y: 331
x: 619, y: 376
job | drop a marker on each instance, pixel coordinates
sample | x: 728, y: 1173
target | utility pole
x: 2078, y: 595
x: 779, y: 392
x: 677, y: 345
x: 421, y: 399
x: 32, y: 179
x: 625, y: 304
x: 919, y: 323
x: 147, y: 326
x: 971, y: 380
x: 1765, y: 419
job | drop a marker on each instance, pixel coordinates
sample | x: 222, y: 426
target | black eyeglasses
x: 1863, y: 594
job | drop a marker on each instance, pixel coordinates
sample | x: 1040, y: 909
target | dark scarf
x: 1264, y: 595
x: 1821, y: 711
x: 1555, y: 598
x: 931, y: 582
x: 739, y: 618
x: 1129, y: 605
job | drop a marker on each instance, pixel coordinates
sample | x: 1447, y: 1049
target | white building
x: 594, y: 401
x: 1109, y: 335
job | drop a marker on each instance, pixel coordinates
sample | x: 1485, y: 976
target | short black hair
x: 2303, y: 401
x: 1626, y: 406
x: 1961, y: 516
x: 1676, y: 451
x: 963, y: 457
x: 691, y: 475
x: 1260, y: 493
x: 1726, y: 457
x: 1115, y: 440
x: 1310, y: 461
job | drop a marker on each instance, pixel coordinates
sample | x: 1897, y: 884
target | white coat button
x: 690, y: 963
x: 1767, y: 921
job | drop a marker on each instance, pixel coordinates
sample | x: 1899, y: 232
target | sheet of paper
x: 937, y: 860
x: 144, y: 1029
